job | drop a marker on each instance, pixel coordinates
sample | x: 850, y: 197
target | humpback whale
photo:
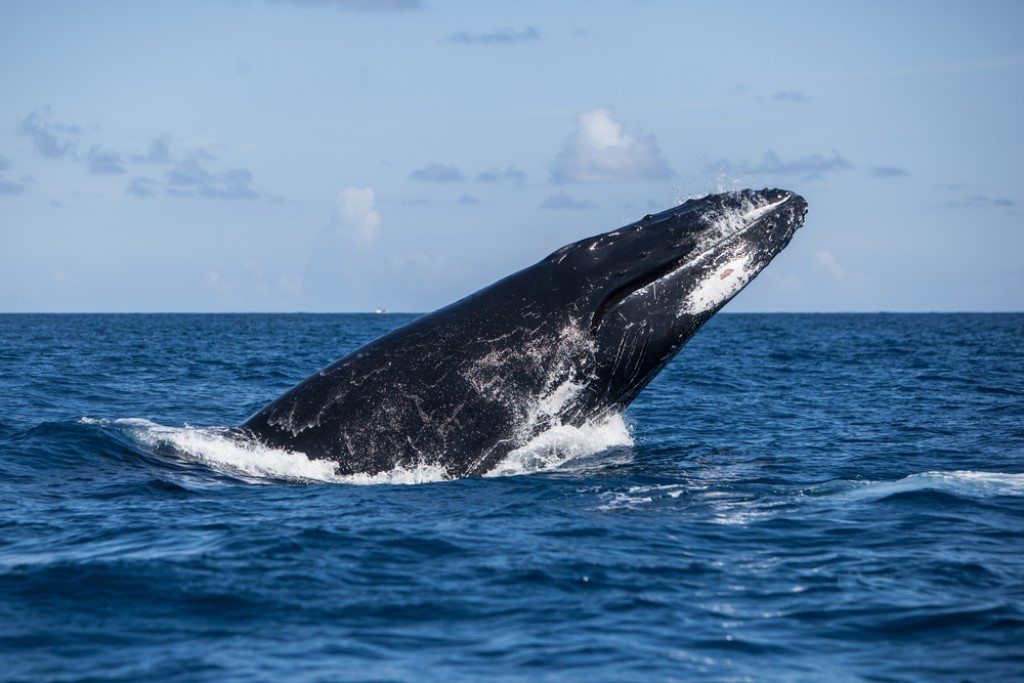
x: 568, y: 340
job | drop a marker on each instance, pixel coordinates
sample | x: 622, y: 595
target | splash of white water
x: 230, y: 454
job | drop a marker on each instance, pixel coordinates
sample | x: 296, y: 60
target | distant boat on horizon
x: 381, y: 311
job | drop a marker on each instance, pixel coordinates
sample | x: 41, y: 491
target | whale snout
x: 797, y: 206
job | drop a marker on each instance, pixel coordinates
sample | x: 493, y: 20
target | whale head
x: 646, y: 288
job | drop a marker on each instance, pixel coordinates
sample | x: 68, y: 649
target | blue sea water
x: 802, y: 497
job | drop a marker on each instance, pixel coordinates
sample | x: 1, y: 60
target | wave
x: 964, y: 483
x: 730, y: 504
x: 558, y: 448
x: 226, y: 452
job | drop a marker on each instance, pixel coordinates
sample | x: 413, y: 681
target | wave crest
x: 966, y: 483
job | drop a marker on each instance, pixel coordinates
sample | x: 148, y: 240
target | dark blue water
x: 819, y: 497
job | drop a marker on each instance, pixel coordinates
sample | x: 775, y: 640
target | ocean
x: 796, y: 497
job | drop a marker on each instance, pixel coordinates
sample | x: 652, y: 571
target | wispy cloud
x: 888, y: 172
x: 191, y: 178
x: 191, y: 174
x: 812, y: 165
x: 980, y: 201
x: 14, y: 186
x: 143, y: 188
x: 468, y: 200
x: 808, y: 167
x: 100, y: 161
x: 437, y: 173
x: 49, y: 138
x: 508, y: 174
x: 8, y: 186
x: 791, y: 96
x: 564, y: 201
x: 158, y: 152
x: 372, y: 6
x: 601, y: 150
x: 501, y: 36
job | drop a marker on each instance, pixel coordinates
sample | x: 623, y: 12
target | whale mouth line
x: 667, y: 269
x: 627, y: 289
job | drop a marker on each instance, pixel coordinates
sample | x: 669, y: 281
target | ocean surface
x: 797, y: 497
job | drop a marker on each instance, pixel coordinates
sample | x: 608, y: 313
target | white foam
x: 560, y: 443
x: 635, y: 497
x: 228, y: 454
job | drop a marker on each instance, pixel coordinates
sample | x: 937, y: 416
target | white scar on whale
x: 720, y: 284
x: 728, y: 279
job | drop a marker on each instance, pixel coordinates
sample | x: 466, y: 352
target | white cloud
x: 827, y: 262
x: 564, y: 201
x: 601, y: 150
x: 355, y: 215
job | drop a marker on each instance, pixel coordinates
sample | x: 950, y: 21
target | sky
x: 348, y: 155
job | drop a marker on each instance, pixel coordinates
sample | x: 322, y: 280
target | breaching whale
x: 568, y: 340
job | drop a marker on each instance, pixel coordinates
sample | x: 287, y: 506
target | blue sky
x: 336, y: 155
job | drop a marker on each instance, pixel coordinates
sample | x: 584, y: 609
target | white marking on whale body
x: 719, y: 284
x: 552, y: 403
x: 735, y: 220
x: 724, y: 281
